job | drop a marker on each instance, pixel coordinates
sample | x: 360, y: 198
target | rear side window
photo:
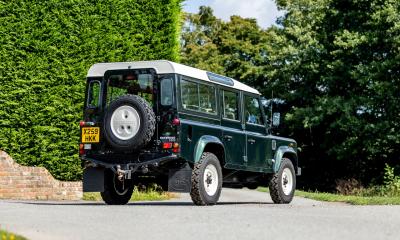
x: 189, y: 95
x: 198, y: 97
x: 230, y: 105
x: 207, y: 99
x: 253, y: 111
x: 166, y: 91
x: 94, y: 94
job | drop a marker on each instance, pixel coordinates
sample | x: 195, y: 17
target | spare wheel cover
x: 125, y: 122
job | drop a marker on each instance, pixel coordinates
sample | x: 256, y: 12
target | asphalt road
x: 240, y: 214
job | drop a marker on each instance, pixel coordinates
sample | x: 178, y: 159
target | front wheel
x: 116, y: 192
x: 206, y: 180
x: 283, y: 183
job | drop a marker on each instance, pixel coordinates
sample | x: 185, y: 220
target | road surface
x: 240, y: 214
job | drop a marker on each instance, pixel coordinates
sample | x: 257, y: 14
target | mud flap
x: 179, y: 180
x: 93, y: 179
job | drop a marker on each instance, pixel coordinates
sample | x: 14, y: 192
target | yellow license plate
x: 90, y: 135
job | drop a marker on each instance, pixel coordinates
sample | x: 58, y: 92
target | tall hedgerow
x: 46, y: 48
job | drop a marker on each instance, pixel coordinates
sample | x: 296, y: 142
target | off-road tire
x: 110, y: 196
x: 275, y: 185
x: 147, y: 123
x: 198, y: 193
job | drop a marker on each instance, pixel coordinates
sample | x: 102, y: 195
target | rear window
x: 130, y: 83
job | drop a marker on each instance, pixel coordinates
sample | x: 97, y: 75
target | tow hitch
x: 93, y: 175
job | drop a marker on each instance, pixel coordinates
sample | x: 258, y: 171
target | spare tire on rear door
x: 129, y: 123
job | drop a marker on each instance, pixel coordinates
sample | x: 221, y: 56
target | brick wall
x: 30, y: 183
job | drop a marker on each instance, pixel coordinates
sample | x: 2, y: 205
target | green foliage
x: 356, y: 200
x: 236, y: 48
x: 336, y: 65
x: 47, y: 48
x: 390, y: 187
x: 342, y: 78
x: 4, y: 235
x: 391, y: 181
x: 151, y: 193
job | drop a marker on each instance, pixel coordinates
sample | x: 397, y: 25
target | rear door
x: 233, y: 136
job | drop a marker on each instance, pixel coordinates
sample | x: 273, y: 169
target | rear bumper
x: 131, y: 166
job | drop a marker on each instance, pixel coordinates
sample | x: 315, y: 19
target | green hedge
x: 46, y: 48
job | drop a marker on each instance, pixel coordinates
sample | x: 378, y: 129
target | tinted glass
x: 207, y: 99
x: 253, y: 111
x: 198, y: 97
x: 230, y: 105
x: 130, y: 83
x: 166, y: 92
x: 94, y: 94
x: 189, y: 95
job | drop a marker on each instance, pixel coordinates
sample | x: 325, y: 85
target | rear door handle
x: 251, y: 141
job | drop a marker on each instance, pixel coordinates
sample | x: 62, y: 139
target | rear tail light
x: 81, y: 149
x: 84, y: 124
x: 175, y: 148
x: 176, y: 122
x: 167, y: 145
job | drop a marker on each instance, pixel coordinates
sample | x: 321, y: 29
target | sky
x: 265, y: 11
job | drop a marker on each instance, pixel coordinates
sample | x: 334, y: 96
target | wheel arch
x: 285, y: 152
x: 208, y: 143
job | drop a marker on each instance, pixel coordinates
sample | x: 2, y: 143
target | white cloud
x: 265, y: 11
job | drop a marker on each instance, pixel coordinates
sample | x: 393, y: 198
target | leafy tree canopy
x: 336, y: 64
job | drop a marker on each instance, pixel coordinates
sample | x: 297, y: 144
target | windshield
x: 140, y: 84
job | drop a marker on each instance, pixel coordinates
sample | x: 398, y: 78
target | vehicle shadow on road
x: 166, y: 203
x: 191, y: 204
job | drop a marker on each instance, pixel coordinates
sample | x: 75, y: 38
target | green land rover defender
x: 185, y: 129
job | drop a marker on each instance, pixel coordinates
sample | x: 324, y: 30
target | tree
x: 235, y: 48
x: 335, y: 63
x: 46, y: 49
x: 339, y: 67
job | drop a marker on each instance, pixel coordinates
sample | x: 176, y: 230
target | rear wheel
x: 116, y: 192
x: 283, y: 183
x: 206, y: 180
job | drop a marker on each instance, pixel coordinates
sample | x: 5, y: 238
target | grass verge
x: 355, y: 200
x: 149, y: 195
x: 352, y: 199
x: 10, y: 236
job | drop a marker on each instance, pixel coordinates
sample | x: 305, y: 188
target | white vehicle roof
x: 163, y: 67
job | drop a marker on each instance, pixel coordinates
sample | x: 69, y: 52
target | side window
x: 94, y: 94
x: 253, y: 111
x: 207, y: 99
x: 166, y: 91
x: 198, y: 97
x: 230, y: 105
x: 189, y: 95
